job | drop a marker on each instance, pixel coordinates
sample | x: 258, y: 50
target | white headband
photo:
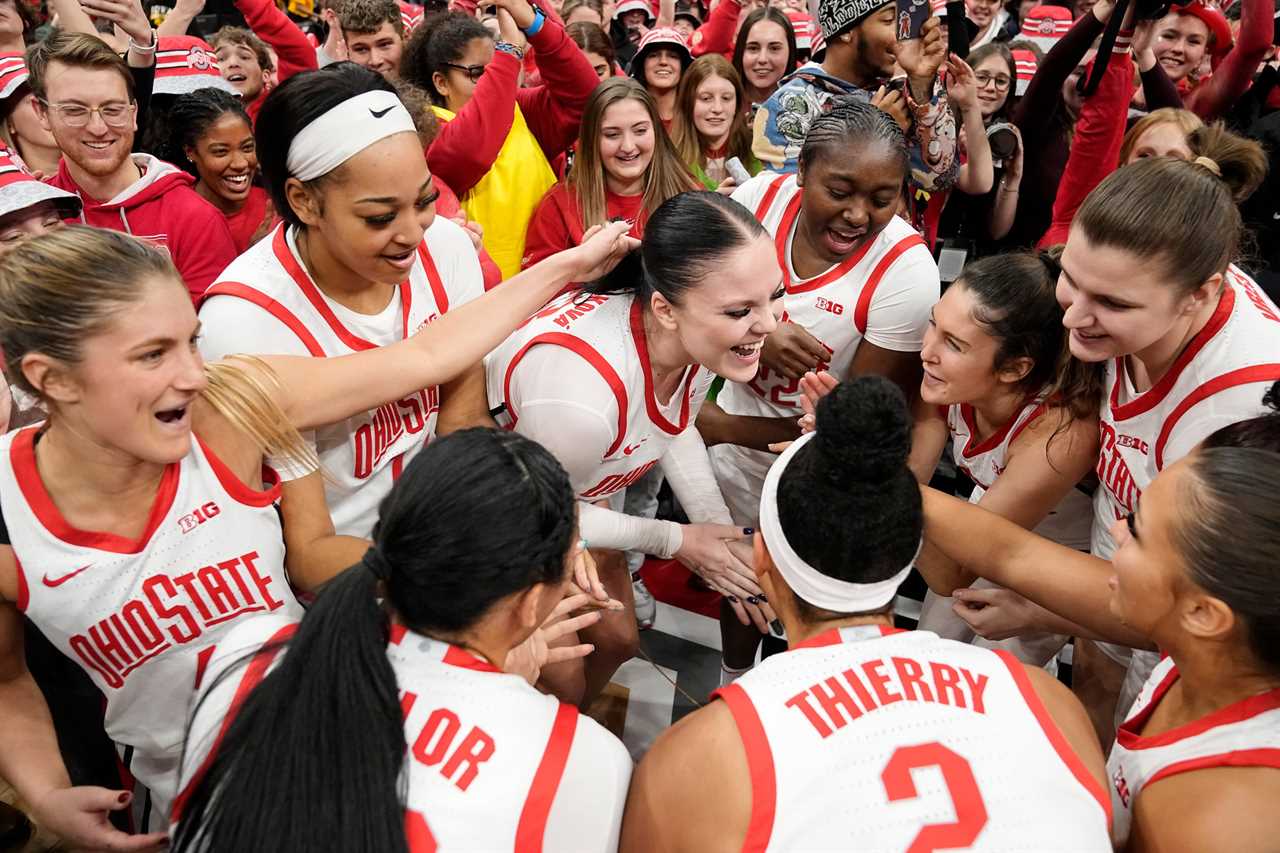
x: 805, y: 581
x: 344, y: 131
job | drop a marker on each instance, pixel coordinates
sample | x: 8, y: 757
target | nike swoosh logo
x: 60, y: 581
x: 627, y: 451
x: 381, y: 113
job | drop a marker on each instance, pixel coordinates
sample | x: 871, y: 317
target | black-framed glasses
x: 114, y: 114
x: 473, y: 72
x: 1001, y: 81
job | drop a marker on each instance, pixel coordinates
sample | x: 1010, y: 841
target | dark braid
x: 193, y: 114
x: 851, y: 121
x: 437, y: 41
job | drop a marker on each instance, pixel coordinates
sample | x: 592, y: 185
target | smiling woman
x: 611, y: 379
x: 859, y: 284
x: 361, y: 260
x: 213, y: 138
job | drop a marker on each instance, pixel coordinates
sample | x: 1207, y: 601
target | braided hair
x: 848, y: 123
x: 190, y: 116
x: 476, y: 516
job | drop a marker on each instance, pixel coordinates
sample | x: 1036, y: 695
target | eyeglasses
x: 473, y: 72
x: 114, y: 114
x: 1001, y: 82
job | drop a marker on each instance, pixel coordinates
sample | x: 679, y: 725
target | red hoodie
x: 162, y: 209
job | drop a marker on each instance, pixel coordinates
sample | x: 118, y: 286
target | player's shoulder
x: 606, y: 753
x: 750, y: 194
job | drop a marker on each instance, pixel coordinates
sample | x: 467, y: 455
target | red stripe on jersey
x: 766, y: 201
x: 202, y: 663
x: 461, y: 658
x: 592, y: 358
x: 23, y: 458
x: 280, y: 246
x: 417, y: 833
x: 832, y: 637
x: 1152, y: 397
x: 254, y: 673
x: 764, y: 783
x: 1031, y: 418
x: 650, y: 398
x: 397, y: 633
x: 1242, y: 376
x: 1264, y: 757
x: 546, y: 780
x: 397, y: 467
x: 994, y: 440
x: 1054, y: 734
x: 272, y: 307
x: 433, y: 278
x: 780, y: 243
x: 233, y: 485
x: 24, y: 593
x: 1237, y: 712
x: 869, y: 289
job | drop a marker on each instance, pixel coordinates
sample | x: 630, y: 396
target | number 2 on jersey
x: 971, y: 811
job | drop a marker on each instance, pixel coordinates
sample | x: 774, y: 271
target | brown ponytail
x: 1181, y: 215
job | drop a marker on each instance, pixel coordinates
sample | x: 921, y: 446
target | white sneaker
x: 646, y: 606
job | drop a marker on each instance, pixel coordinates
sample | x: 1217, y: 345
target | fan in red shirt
x: 84, y: 96
x: 625, y: 168
x: 212, y: 138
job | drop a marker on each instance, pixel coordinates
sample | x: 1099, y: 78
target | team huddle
x: 346, y: 535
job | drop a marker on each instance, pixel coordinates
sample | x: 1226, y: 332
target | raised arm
x: 1060, y: 579
x: 716, y: 34
x: 1232, y: 76
x: 464, y: 150
x: 1095, y: 148
x: 554, y: 109
x: 315, y: 392
x: 274, y: 27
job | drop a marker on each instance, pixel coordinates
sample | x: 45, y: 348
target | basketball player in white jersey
x: 859, y: 283
x: 862, y: 737
x: 398, y: 718
x: 1019, y: 414
x: 133, y: 547
x: 361, y: 260
x: 1196, y: 762
x: 1189, y: 342
x: 611, y: 378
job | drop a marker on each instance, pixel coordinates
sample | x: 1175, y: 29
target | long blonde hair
x: 63, y: 287
x: 665, y: 177
x: 689, y: 143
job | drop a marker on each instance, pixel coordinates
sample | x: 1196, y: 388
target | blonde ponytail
x: 244, y: 389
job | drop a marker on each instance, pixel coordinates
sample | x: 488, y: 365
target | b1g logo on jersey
x: 198, y: 516
x: 828, y: 306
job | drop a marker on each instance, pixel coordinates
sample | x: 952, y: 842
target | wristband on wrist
x: 509, y: 48
x: 536, y: 27
x: 144, y: 48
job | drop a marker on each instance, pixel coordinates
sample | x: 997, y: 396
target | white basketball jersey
x: 363, y: 455
x: 1245, y: 734
x: 1219, y: 379
x: 983, y: 461
x: 967, y: 757
x: 143, y: 617
x: 832, y: 306
x: 608, y: 333
x: 491, y: 763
